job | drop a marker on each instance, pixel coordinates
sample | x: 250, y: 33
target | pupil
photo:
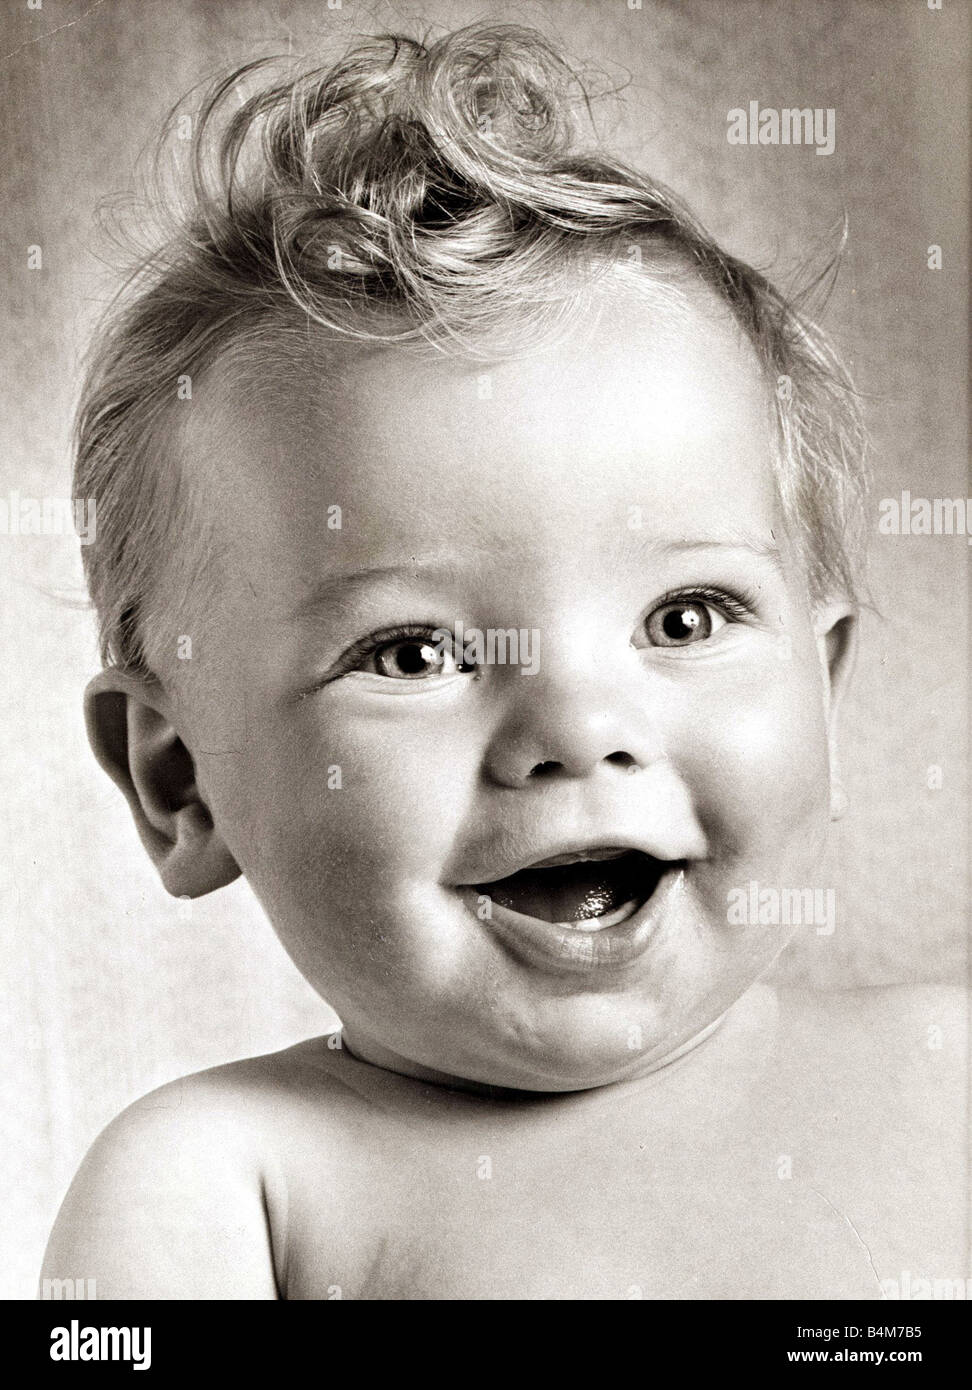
x: 414, y: 657
x: 681, y: 623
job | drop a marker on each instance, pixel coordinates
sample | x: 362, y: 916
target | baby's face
x: 664, y: 729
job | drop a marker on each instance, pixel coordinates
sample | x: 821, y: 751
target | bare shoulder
x: 897, y: 1019
x: 174, y: 1200
x: 870, y: 1088
x: 905, y: 1046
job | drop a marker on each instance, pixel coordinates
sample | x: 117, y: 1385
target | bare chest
x: 492, y: 1218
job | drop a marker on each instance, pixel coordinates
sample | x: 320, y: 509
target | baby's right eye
x: 408, y: 655
x: 412, y: 659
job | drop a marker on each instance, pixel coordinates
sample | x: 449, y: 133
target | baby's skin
x: 812, y: 1146
x: 577, y: 1090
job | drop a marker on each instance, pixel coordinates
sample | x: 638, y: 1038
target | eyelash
x: 738, y: 606
x: 366, y: 646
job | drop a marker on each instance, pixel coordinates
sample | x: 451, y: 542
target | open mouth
x: 586, y: 891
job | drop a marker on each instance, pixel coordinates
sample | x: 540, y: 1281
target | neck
x: 741, y: 1035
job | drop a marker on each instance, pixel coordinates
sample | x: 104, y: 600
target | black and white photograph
x: 485, y: 536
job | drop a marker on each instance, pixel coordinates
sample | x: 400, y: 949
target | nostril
x: 620, y: 759
x: 550, y: 767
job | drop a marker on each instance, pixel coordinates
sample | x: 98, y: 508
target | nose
x: 569, y: 724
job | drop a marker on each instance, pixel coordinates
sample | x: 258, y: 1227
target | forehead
x: 644, y: 410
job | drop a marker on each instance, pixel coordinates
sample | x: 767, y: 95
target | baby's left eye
x: 682, y: 622
x: 414, y: 658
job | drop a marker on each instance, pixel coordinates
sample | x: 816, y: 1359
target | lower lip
x: 568, y: 951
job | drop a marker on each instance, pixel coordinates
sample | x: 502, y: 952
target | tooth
x: 610, y: 919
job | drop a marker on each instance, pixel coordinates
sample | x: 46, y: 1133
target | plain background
x: 108, y: 990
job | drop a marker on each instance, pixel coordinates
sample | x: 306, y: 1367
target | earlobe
x: 134, y: 740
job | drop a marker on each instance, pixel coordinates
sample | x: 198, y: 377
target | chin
x: 588, y: 1043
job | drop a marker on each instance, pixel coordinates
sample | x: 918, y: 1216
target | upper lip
x: 560, y: 852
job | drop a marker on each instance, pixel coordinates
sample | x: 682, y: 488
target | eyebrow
x: 344, y: 588
x: 762, y: 549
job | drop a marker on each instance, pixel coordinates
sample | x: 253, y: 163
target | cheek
x: 754, y: 756
x: 368, y: 802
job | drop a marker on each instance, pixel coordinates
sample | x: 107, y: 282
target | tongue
x: 570, y: 892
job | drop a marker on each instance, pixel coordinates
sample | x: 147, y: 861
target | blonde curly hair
x: 432, y: 196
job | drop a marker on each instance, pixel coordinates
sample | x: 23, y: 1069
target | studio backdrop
x: 110, y: 986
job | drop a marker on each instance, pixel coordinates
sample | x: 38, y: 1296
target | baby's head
x: 462, y: 507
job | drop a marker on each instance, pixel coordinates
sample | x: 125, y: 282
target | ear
x: 836, y: 632
x: 134, y: 740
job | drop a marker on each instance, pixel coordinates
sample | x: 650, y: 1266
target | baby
x: 476, y: 570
